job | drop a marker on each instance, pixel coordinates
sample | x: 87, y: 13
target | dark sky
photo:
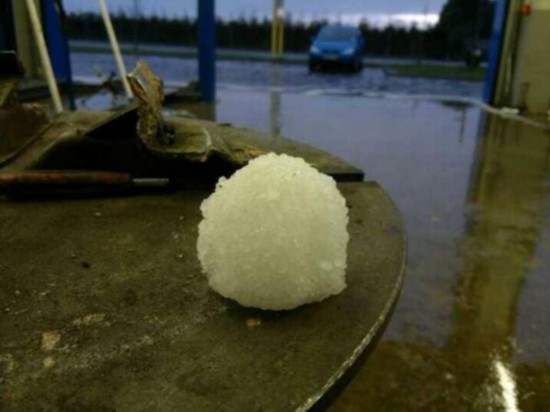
x: 377, y: 11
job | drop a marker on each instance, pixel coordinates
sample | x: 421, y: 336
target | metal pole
x: 281, y: 42
x: 58, y: 46
x: 115, y: 47
x: 493, y: 91
x: 207, y: 49
x: 44, y: 57
x: 274, y: 20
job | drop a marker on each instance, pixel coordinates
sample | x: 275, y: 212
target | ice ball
x: 274, y: 235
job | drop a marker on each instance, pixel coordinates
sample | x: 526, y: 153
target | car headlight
x: 315, y: 50
x: 348, y: 51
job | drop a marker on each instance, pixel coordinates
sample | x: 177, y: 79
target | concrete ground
x: 472, y: 328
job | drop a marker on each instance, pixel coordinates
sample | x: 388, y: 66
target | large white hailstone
x: 274, y: 235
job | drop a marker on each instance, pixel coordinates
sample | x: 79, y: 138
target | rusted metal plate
x: 103, y: 307
x: 65, y: 144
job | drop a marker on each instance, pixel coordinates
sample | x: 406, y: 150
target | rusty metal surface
x: 199, y: 148
x: 148, y: 89
x: 19, y: 125
x: 104, y: 307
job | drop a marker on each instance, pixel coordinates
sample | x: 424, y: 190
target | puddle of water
x: 472, y: 328
x: 263, y: 76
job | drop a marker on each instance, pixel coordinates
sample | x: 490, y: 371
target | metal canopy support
x: 45, y: 60
x: 277, y: 29
x: 495, y: 51
x: 207, y: 49
x: 58, y: 46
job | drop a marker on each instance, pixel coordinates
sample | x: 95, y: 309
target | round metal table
x: 103, y: 306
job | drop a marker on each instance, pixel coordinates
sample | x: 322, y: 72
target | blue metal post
x: 58, y: 47
x: 207, y: 49
x: 495, y: 51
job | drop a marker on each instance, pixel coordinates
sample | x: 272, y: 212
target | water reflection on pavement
x: 471, y: 330
x: 260, y: 76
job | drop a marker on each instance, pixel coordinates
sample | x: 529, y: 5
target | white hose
x: 115, y: 47
x: 508, y: 113
x: 44, y: 56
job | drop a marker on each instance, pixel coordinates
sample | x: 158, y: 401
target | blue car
x: 337, y: 45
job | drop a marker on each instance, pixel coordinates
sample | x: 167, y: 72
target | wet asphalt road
x: 294, y: 77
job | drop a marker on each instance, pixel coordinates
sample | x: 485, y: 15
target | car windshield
x: 337, y: 33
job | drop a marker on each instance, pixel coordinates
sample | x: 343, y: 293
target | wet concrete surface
x: 472, y: 328
x: 262, y: 76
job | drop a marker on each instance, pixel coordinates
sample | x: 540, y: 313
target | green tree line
x: 461, y: 23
